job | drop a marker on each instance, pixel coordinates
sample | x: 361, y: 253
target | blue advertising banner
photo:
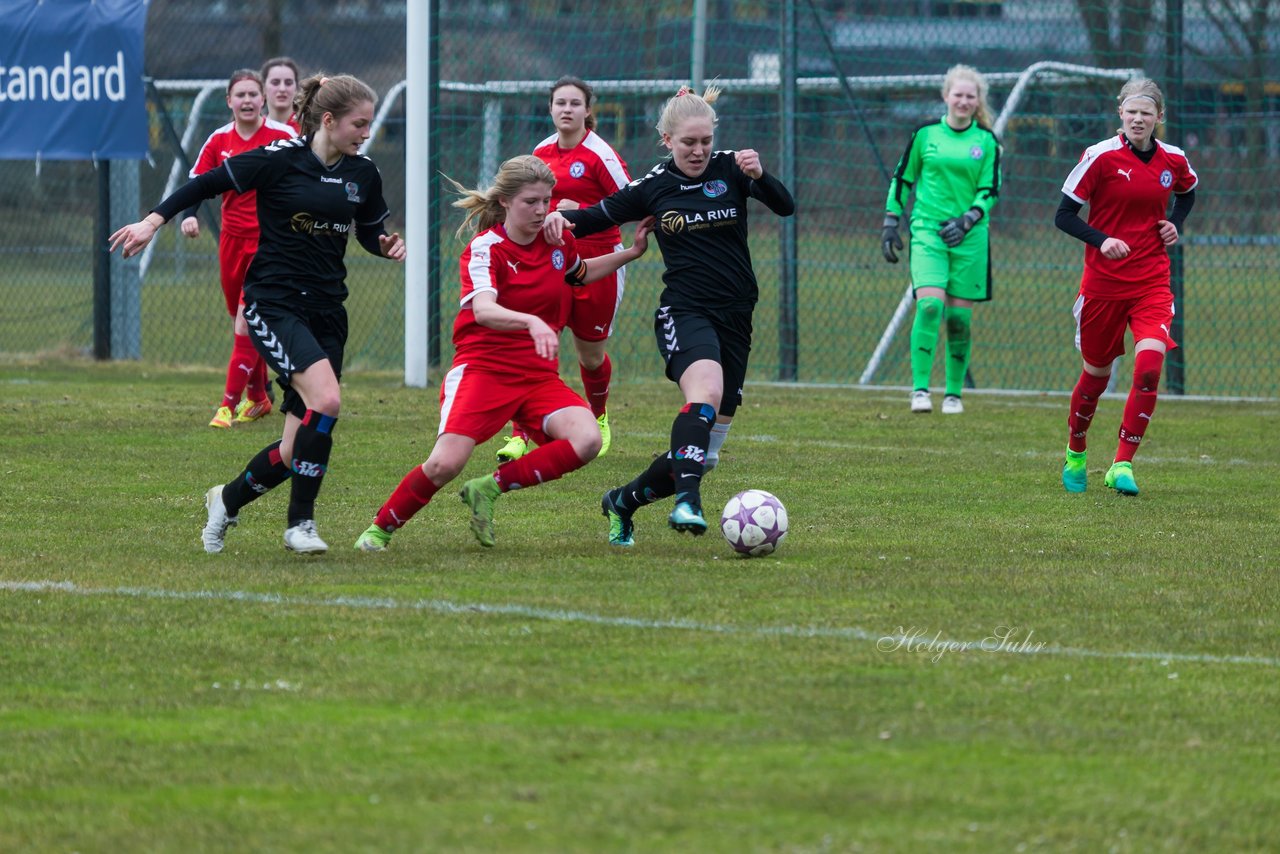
x: 71, y: 80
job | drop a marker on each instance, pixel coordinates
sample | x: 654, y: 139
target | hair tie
x: 323, y: 80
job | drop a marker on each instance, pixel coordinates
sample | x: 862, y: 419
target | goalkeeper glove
x: 953, y: 230
x: 889, y: 239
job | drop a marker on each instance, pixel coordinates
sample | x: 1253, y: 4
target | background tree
x: 1124, y: 44
x: 1243, y: 27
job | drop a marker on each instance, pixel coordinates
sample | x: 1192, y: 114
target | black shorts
x: 292, y: 338
x: 689, y: 335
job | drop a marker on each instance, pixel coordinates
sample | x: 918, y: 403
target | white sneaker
x: 216, y: 528
x: 303, y: 539
x: 921, y: 401
x: 951, y: 405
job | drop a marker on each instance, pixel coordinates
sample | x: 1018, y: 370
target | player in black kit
x: 703, y: 323
x: 310, y: 190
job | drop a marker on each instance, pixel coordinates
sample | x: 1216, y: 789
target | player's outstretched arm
x: 603, y: 265
x: 208, y: 185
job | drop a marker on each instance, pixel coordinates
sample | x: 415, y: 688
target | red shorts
x: 595, y: 305
x: 234, y: 255
x: 1100, y: 324
x: 478, y: 403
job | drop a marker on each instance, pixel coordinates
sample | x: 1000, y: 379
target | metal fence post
x: 788, y: 322
x: 126, y: 289
x: 102, y: 264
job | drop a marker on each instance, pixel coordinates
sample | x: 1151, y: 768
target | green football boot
x: 1120, y: 478
x: 515, y: 448
x: 374, y: 539
x: 621, y: 530
x: 480, y: 494
x: 1075, y: 471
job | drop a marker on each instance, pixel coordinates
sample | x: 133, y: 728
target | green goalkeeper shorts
x: 964, y: 272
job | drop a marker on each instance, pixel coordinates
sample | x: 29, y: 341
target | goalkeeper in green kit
x: 953, y: 165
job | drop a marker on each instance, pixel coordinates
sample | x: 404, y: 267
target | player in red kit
x: 1126, y: 181
x: 517, y: 291
x: 280, y: 78
x: 238, y: 242
x: 587, y: 169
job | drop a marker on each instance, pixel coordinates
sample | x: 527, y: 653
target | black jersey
x: 701, y: 228
x: 305, y: 212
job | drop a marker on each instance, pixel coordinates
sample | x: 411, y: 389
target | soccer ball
x: 754, y: 522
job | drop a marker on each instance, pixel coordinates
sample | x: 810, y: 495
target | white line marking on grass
x: 554, y: 615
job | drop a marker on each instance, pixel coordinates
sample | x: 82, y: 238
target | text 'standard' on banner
x: 71, y: 80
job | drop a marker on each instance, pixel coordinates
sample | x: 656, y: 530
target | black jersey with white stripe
x: 305, y: 215
x: 701, y: 228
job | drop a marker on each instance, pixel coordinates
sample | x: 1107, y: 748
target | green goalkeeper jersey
x: 951, y: 172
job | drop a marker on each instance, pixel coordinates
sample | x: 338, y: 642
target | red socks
x: 240, y: 369
x: 257, y: 389
x: 550, y: 462
x: 1141, y: 403
x: 1084, y: 402
x: 413, y: 493
x: 596, y: 385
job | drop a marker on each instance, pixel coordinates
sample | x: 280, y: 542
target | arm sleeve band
x: 1068, y: 219
x: 1182, y: 205
x: 207, y: 186
x: 578, y: 275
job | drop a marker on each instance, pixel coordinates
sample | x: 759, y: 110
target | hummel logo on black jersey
x: 324, y: 180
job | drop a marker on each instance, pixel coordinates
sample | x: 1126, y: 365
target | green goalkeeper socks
x: 924, y: 340
x: 958, y: 348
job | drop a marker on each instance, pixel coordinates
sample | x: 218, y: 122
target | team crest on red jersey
x: 1166, y: 179
x: 577, y: 169
x: 557, y: 259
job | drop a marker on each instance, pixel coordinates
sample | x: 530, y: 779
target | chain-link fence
x: 866, y: 74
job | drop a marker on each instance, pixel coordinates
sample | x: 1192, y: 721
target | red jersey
x: 1127, y: 198
x: 239, y: 210
x: 528, y: 279
x: 586, y: 174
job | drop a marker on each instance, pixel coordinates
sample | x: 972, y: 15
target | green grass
x: 552, y: 694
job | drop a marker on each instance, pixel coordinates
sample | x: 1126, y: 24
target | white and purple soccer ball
x: 754, y: 522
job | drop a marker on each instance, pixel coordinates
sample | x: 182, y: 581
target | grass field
x: 553, y: 694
